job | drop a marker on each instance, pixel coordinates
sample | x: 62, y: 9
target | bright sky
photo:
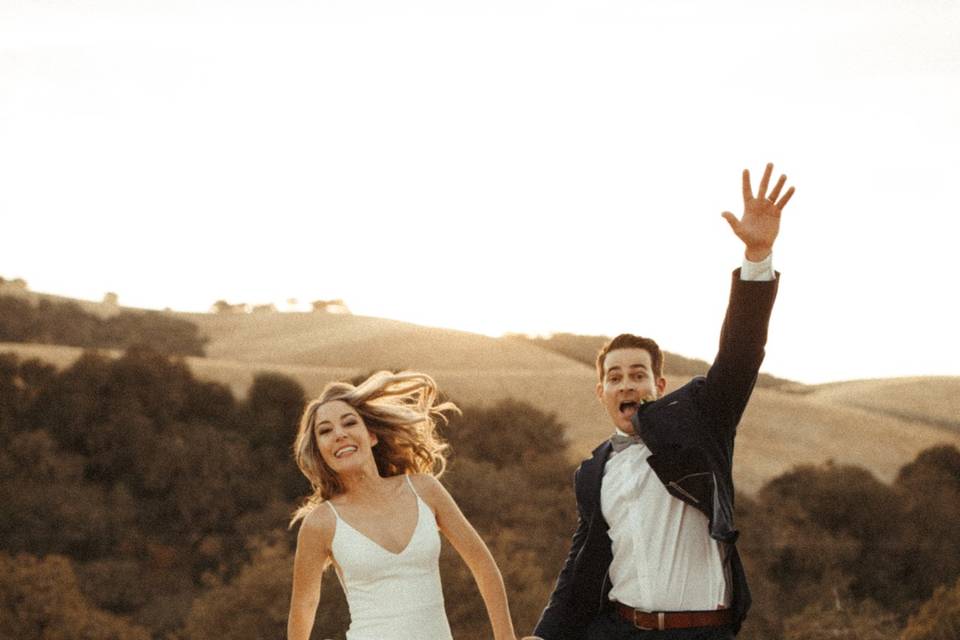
x: 495, y: 165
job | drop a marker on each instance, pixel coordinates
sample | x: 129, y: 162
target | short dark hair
x: 630, y: 341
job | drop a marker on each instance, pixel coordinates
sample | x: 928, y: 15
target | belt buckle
x: 660, y: 621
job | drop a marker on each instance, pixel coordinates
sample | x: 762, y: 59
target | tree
x: 17, y: 320
x: 264, y: 308
x: 67, y: 323
x: 938, y: 618
x: 198, y: 480
x: 222, y: 306
x: 41, y: 600
x: 271, y: 418
x: 842, y: 621
x: 330, y: 306
x: 156, y: 330
x: 513, y: 433
x: 46, y: 506
x: 10, y: 395
x: 255, y: 604
x: 274, y: 403
x: 516, y: 451
x: 930, y: 486
x: 842, y: 503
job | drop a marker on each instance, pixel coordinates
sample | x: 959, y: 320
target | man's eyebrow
x: 639, y: 365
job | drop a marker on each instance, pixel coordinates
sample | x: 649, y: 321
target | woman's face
x: 345, y: 443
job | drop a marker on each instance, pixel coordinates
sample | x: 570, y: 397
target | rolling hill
x: 878, y: 424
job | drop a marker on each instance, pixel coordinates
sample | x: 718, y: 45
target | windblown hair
x: 400, y: 408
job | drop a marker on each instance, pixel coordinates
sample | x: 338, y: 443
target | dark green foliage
x: 819, y: 536
x: 17, y: 319
x: 930, y: 486
x: 510, y: 475
x: 114, y: 584
x: 45, y: 506
x: 270, y: 418
x: 274, y: 404
x: 157, y: 330
x: 41, y: 600
x: 858, y: 513
x: 20, y: 386
x: 252, y: 605
x: 842, y: 620
x: 66, y: 323
x: 143, y: 475
x: 512, y: 433
x: 938, y: 618
x: 168, y: 499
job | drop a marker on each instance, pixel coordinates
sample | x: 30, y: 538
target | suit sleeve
x: 554, y: 621
x: 743, y: 337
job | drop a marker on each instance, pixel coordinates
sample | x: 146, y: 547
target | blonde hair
x: 400, y: 408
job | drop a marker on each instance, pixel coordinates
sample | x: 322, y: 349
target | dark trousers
x: 610, y: 626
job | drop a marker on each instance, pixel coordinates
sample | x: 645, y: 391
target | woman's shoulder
x: 428, y: 488
x: 424, y: 481
x: 319, y: 524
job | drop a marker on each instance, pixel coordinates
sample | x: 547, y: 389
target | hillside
x: 879, y: 424
x: 365, y: 342
x: 933, y: 400
x: 845, y: 422
x: 585, y: 348
x: 101, y: 309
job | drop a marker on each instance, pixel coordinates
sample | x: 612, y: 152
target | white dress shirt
x: 663, y: 556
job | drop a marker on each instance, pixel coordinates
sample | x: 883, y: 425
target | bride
x: 372, y: 456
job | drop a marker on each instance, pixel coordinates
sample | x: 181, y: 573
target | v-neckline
x: 413, y: 533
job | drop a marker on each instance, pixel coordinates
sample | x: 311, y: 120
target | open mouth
x: 628, y: 408
x: 344, y: 451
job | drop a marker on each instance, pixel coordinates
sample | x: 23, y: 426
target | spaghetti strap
x: 336, y: 514
x: 410, y: 482
x: 394, y: 595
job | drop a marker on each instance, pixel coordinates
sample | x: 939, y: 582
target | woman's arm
x: 313, y: 555
x: 474, y: 552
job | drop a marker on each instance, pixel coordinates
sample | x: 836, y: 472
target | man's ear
x: 373, y: 439
x: 600, y: 392
x: 661, y: 385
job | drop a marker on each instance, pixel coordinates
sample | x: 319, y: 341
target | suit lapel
x: 591, y: 478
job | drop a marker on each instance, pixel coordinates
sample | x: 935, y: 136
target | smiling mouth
x: 339, y: 453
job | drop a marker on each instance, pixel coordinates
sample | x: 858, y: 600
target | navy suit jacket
x: 690, y: 433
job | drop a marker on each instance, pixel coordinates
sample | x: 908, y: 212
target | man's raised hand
x: 760, y: 223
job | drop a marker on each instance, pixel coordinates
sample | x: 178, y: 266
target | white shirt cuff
x: 762, y: 270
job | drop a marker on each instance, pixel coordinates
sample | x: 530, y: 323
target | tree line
x: 137, y: 501
x: 67, y: 323
x: 336, y: 305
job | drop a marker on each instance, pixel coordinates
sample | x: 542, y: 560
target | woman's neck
x: 365, y: 484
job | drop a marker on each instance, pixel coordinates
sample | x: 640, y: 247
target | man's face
x: 627, y: 379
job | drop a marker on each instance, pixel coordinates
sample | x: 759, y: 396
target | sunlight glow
x: 494, y: 167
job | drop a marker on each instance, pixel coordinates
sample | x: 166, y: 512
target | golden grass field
x: 878, y: 424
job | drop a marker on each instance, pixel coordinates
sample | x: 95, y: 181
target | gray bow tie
x: 621, y: 442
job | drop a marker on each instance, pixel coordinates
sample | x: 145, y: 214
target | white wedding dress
x: 392, y: 596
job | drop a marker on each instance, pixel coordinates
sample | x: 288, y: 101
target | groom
x: 654, y: 555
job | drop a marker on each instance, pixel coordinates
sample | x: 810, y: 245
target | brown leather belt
x: 660, y: 620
